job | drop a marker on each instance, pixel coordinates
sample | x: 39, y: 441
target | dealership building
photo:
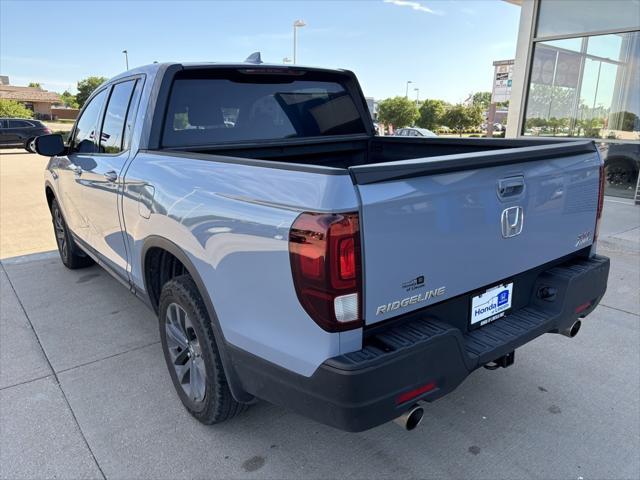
x: 577, y: 74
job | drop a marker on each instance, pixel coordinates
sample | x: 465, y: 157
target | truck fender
x: 233, y: 380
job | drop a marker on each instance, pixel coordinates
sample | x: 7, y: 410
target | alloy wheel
x: 185, y: 352
x: 58, y: 226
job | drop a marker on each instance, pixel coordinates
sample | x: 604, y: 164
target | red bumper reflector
x: 411, y: 394
x: 583, y: 307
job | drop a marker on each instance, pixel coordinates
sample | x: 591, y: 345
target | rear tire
x: 71, y: 255
x: 192, y: 355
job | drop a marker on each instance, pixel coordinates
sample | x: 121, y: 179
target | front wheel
x: 71, y: 255
x: 192, y: 355
x: 28, y: 145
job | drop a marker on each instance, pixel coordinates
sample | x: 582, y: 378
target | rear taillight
x: 47, y: 131
x: 325, y: 261
x: 600, y: 202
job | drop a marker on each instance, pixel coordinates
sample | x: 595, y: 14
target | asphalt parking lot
x: 84, y: 391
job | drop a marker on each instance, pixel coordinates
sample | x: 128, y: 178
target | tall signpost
x: 501, y: 90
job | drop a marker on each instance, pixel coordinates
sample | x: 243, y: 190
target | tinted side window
x: 84, y: 140
x: 114, y: 118
x: 19, y: 124
x: 135, y: 99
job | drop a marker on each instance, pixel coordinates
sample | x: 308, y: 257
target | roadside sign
x: 502, y: 73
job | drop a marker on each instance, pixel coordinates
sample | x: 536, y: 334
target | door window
x: 111, y: 137
x: 19, y: 124
x: 84, y: 140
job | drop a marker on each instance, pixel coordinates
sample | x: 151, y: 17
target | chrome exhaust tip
x: 411, y: 418
x: 573, y: 330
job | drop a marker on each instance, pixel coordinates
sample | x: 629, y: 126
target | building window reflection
x: 586, y: 87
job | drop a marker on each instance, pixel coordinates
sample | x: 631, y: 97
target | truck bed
x: 362, y: 152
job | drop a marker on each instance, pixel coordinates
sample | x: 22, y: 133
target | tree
x: 431, y: 113
x: 624, y: 120
x: 86, y: 88
x: 35, y: 85
x: 69, y: 100
x: 460, y: 117
x: 398, y: 111
x: 13, y: 109
x: 481, y: 99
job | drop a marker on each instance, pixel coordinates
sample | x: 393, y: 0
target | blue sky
x: 445, y: 47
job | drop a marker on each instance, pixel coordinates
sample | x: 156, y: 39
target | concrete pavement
x: 25, y: 222
x: 84, y: 393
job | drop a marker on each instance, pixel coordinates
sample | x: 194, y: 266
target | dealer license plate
x: 491, y: 305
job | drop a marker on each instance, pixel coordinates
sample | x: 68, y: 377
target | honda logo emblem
x: 512, y: 221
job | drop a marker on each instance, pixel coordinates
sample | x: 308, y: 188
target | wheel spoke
x: 175, y: 338
x: 181, y: 371
x: 197, y: 378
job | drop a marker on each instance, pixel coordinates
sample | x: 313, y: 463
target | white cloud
x: 415, y: 6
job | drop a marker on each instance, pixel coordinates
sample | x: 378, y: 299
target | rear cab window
x: 232, y: 106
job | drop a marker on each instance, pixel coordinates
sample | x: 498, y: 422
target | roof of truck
x: 155, y: 68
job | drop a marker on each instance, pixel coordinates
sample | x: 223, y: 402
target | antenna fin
x: 254, y: 58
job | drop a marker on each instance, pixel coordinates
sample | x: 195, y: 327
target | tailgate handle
x: 510, y: 187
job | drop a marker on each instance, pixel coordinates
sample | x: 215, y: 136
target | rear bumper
x: 358, y: 390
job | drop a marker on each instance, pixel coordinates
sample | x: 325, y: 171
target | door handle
x: 510, y: 187
x: 111, y: 176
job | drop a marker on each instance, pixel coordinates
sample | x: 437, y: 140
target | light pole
x: 417, y: 90
x: 126, y: 58
x: 406, y: 93
x: 297, y: 24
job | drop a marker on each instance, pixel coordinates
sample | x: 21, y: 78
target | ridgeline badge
x: 424, y: 296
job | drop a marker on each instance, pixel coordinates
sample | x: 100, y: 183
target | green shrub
x: 13, y: 109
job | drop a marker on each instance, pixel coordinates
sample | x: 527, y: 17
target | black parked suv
x: 18, y: 132
x: 622, y: 165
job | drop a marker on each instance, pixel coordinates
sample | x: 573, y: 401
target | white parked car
x: 414, y: 132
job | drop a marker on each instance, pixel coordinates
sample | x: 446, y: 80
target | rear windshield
x: 245, y: 107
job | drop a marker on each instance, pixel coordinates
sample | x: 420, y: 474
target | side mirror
x: 49, y: 145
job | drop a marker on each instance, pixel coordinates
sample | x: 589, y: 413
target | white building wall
x: 523, y: 59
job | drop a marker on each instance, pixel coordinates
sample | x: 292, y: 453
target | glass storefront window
x: 590, y: 87
x: 559, y: 17
x: 586, y: 87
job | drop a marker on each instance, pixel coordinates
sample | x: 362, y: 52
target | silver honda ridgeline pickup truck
x: 294, y: 256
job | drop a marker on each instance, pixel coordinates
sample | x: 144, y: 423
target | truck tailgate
x: 439, y: 227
